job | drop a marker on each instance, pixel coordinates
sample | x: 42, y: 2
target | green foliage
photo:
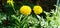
x: 53, y: 21
x: 2, y: 17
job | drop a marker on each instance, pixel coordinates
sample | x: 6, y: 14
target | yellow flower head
x: 25, y: 10
x: 37, y: 9
x: 10, y: 2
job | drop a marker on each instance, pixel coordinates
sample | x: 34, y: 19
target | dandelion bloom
x: 25, y: 10
x: 37, y: 9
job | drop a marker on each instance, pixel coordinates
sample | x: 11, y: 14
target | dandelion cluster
x: 27, y: 10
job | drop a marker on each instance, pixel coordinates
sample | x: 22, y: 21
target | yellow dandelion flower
x: 25, y: 10
x: 37, y: 9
